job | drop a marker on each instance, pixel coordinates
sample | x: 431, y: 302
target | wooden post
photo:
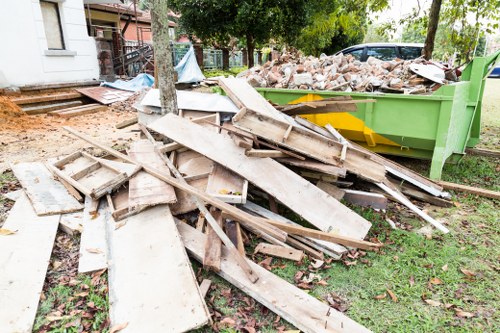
x: 225, y: 59
x: 163, y: 56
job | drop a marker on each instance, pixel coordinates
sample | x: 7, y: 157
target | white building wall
x: 24, y: 56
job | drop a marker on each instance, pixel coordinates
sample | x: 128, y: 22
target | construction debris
x: 211, y: 167
x: 346, y: 73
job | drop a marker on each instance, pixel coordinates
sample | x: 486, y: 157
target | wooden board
x: 185, y: 202
x: 46, y: 98
x: 47, y: 195
x: 93, y: 246
x: 190, y: 163
x: 152, y: 286
x: 105, y: 95
x: 302, y: 310
x: 71, y: 223
x: 211, y: 256
x: 227, y: 185
x: 144, y: 189
x: 470, y: 189
x: 279, y: 251
x: 24, y: 258
x: 308, y: 143
x: 78, y: 110
x: 314, y: 166
x: 298, y: 194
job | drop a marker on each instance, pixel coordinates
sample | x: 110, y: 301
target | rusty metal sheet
x: 105, y: 95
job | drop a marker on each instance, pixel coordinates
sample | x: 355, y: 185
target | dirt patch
x: 9, y: 110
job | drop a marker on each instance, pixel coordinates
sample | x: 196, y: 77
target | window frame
x: 394, y: 48
x: 56, y: 4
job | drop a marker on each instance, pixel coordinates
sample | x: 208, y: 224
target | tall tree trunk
x: 163, y: 56
x: 431, y: 29
x: 250, y: 49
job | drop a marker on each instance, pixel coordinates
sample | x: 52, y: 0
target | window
x: 408, y: 52
x: 356, y: 53
x: 382, y: 53
x: 52, y: 25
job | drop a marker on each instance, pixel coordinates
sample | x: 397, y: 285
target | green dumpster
x: 437, y: 127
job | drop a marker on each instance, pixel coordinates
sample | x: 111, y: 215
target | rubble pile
x: 340, y: 73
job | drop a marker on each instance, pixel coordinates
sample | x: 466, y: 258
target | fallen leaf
x: 227, y: 322
x: 118, y: 327
x: 224, y: 191
x: 82, y: 294
x: 463, y: 314
x: 5, y: 232
x: 316, y: 264
x: 322, y: 283
x: 381, y: 296
x: 467, y: 272
x: 445, y: 268
x: 94, y: 250
x: 56, y: 264
x: 393, y: 296
x: 435, y: 281
x: 432, y: 302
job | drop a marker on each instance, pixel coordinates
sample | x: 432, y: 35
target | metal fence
x: 212, y: 59
x: 178, y: 51
x: 236, y: 59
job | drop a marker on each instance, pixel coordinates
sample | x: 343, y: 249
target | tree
x: 163, y: 56
x: 255, y: 21
x: 431, y: 29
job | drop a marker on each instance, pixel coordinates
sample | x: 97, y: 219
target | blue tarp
x: 188, y: 70
x: 139, y: 82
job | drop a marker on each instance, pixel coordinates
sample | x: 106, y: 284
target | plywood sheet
x: 24, y: 258
x: 93, y: 246
x: 47, y: 195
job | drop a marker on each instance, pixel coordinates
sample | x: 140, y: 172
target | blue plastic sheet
x: 139, y: 82
x: 188, y: 70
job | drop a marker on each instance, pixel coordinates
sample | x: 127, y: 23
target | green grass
x: 218, y: 72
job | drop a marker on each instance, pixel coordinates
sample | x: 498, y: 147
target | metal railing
x: 212, y: 59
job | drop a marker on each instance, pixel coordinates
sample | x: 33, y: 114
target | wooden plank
x: 105, y: 95
x: 93, y: 246
x: 127, y: 123
x: 213, y: 245
x: 46, y: 98
x: 308, y: 143
x: 268, y: 175
x: 24, y: 259
x: 483, y: 152
x: 302, y: 310
x: 39, y: 109
x: 227, y: 185
x: 239, y: 140
x: 78, y: 111
x: 233, y: 231
x: 262, y: 153
x: 47, y: 195
x: 412, y: 192
x: 185, y: 202
x: 314, y: 166
x: 146, y: 190
x: 152, y: 286
x: 71, y: 223
x: 14, y: 195
x: 331, y: 189
x: 279, y: 251
x: 205, y: 287
x: 313, y: 127
x: 470, y: 189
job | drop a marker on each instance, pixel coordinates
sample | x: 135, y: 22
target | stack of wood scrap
x: 199, y: 184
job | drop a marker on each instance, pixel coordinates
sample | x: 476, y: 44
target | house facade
x: 45, y: 42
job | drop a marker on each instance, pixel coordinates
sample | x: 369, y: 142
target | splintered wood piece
x: 269, y: 175
x: 213, y: 245
x: 200, y: 224
x: 152, y: 286
x: 205, y: 287
x: 262, y: 153
x: 307, y: 313
x: 331, y: 189
x: 239, y: 137
x: 24, y: 258
x: 47, y: 195
x: 146, y: 190
x: 227, y: 185
x: 279, y: 251
x: 93, y: 245
x: 233, y: 231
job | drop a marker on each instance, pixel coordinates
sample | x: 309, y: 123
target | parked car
x: 384, y: 51
x: 495, y: 73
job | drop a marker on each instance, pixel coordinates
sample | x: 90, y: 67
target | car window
x: 355, y: 53
x: 410, y: 52
x: 382, y: 53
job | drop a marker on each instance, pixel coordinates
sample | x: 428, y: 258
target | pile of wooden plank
x: 197, y: 184
x: 346, y: 73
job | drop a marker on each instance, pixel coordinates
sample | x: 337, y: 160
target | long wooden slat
x: 46, y: 98
x: 213, y: 245
x: 470, y: 189
x: 314, y: 166
x: 93, y: 246
x: 292, y: 190
x: 152, y: 286
x: 47, y: 195
x: 302, y: 310
x: 24, y: 258
x: 146, y: 190
x: 279, y: 251
x: 308, y: 143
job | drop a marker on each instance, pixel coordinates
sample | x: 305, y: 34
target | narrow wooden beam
x: 265, y: 153
x: 279, y: 251
x: 470, y: 189
x: 213, y: 245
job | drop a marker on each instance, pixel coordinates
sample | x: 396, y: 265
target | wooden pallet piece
x: 213, y: 245
x: 152, y: 286
x: 146, y: 190
x: 205, y: 287
x: 46, y: 98
x: 227, y: 185
x: 93, y: 245
x: 269, y: 175
x: 308, y: 143
x: 78, y: 110
x: 279, y: 251
x: 24, y: 259
x: 47, y: 195
x: 91, y: 176
x: 302, y: 310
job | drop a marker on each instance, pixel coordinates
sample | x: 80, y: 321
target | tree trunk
x: 250, y: 49
x: 163, y: 56
x: 431, y: 29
